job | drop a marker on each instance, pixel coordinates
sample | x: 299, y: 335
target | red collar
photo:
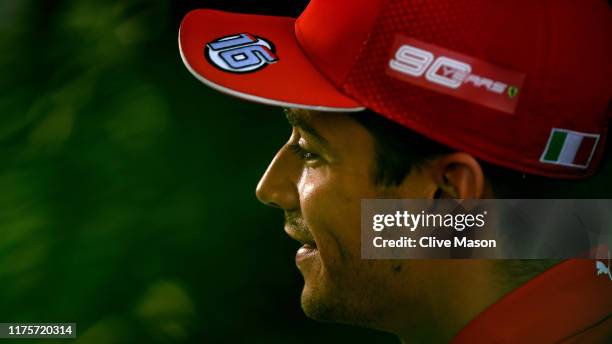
x: 558, y: 305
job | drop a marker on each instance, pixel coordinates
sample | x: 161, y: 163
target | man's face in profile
x: 319, y: 178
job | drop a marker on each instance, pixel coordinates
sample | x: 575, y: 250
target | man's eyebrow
x: 297, y: 120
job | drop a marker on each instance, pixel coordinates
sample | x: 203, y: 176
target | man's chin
x: 324, y: 303
x: 315, y: 306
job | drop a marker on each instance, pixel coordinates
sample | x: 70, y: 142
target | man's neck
x: 463, y: 290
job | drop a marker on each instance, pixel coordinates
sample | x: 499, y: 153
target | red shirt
x: 569, y: 303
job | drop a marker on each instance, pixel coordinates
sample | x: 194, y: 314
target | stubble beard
x: 343, y: 290
x: 344, y: 297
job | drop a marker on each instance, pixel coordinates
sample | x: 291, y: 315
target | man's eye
x: 302, y: 153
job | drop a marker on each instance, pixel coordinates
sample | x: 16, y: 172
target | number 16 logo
x: 241, y: 53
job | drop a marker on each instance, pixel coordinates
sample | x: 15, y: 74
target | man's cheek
x: 319, y: 211
x: 313, y: 180
x: 322, y: 198
x: 333, y: 218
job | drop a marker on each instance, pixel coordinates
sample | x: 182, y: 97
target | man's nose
x: 277, y: 187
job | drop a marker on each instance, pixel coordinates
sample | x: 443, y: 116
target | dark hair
x: 399, y: 149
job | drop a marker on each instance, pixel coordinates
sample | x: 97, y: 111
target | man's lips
x: 309, y: 247
x: 305, y: 252
x: 302, y: 236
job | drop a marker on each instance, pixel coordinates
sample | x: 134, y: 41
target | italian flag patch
x: 569, y: 148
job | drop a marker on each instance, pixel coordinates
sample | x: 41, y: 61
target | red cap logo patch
x: 455, y: 74
x: 241, y: 53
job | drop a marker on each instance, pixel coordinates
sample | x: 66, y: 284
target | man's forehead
x: 315, y: 119
x: 298, y: 117
x: 337, y: 130
x: 312, y: 122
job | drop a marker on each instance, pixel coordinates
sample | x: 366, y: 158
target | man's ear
x: 457, y: 175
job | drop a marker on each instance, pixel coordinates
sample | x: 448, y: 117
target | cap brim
x: 290, y: 81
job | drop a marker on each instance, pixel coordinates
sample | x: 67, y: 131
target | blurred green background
x: 127, y: 187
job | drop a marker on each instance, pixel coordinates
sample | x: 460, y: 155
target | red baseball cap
x: 524, y: 84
